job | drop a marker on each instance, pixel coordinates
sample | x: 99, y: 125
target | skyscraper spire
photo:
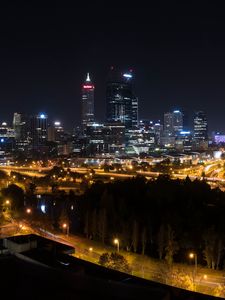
x: 88, y: 78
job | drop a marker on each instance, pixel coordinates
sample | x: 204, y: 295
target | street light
x: 28, y: 210
x: 66, y: 226
x: 117, y: 242
x: 8, y: 203
x: 194, y: 255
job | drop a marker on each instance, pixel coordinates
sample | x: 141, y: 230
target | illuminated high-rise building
x: 55, y: 132
x: 121, y: 103
x: 87, y: 102
x: 20, y: 126
x: 39, y: 129
x: 173, y: 122
x: 200, y: 126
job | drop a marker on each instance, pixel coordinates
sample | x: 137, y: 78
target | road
x: 87, y: 250
x: 193, y: 172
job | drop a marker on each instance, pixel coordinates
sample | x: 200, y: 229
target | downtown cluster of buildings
x: 121, y: 134
x: 124, y: 133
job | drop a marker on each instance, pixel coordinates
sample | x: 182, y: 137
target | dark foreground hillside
x: 24, y: 280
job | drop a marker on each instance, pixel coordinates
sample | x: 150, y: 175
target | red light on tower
x: 88, y: 86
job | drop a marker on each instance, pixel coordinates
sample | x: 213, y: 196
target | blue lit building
x: 121, y: 103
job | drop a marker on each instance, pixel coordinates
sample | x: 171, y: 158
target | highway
x: 194, y: 172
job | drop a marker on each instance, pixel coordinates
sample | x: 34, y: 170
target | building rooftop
x: 43, y: 274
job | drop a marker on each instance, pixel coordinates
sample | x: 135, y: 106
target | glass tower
x: 200, y: 126
x: 121, y: 103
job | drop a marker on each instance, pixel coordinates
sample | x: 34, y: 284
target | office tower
x: 55, y: 132
x: 87, y: 117
x: 158, y: 130
x: 177, y: 121
x: 200, y: 141
x: 200, y: 126
x: 121, y: 103
x: 17, y: 125
x: 38, y: 130
x: 168, y: 123
x: 173, y: 123
x: 7, y: 139
x: 20, y: 126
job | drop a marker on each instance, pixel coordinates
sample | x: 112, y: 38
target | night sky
x: 176, y: 49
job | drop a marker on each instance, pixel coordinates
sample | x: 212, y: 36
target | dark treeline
x: 162, y: 218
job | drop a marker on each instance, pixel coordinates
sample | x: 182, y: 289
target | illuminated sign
x: 126, y: 75
x: 176, y: 111
x: 87, y: 86
x: 57, y: 123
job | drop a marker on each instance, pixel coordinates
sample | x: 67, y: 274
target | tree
x: 114, y: 261
x: 31, y: 188
x: 143, y: 240
x: 213, y: 248
x: 135, y: 236
x: 161, y: 240
x: 181, y: 279
x: 63, y: 218
x: 87, y: 224
x: 102, y: 224
x: 219, y: 291
x: 15, y: 194
x: 94, y: 224
x: 171, y: 246
x: 54, y: 187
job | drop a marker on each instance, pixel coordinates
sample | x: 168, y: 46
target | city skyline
x: 176, y: 53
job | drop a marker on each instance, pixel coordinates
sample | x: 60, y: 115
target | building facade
x: 87, y: 114
x: 121, y: 103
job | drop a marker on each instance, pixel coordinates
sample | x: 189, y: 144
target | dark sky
x: 176, y: 49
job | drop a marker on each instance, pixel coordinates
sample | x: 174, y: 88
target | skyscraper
x: 38, y: 130
x: 200, y: 126
x: 87, y: 102
x: 20, y: 126
x: 173, y: 122
x: 121, y: 103
x: 168, y: 123
x: 177, y: 121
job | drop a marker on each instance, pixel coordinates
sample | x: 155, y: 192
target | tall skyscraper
x: 200, y: 126
x: 20, y: 126
x: 177, y: 121
x: 173, y: 122
x: 55, y: 132
x: 38, y: 130
x: 168, y: 123
x: 121, y: 103
x: 87, y: 102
